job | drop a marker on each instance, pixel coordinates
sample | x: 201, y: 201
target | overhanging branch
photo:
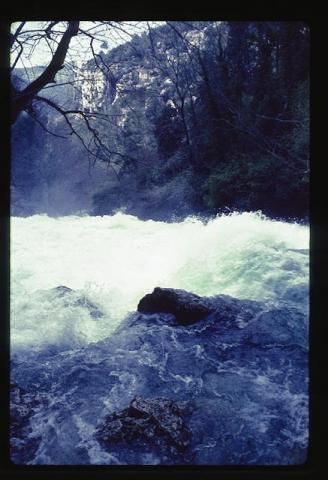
x: 21, y: 100
x: 98, y: 143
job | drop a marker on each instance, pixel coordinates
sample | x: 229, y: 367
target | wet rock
x: 155, y: 422
x: 187, y: 307
x: 76, y: 300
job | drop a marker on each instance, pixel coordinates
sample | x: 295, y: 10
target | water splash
x: 115, y: 260
x: 78, y: 356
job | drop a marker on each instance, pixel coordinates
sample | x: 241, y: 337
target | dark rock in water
x: 77, y: 300
x: 23, y: 405
x: 155, y: 422
x: 187, y: 307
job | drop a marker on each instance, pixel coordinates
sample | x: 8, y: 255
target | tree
x: 57, y: 37
x: 22, y: 99
x: 256, y: 95
x: 224, y: 102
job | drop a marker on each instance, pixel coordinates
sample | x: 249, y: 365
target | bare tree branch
x: 19, y: 54
x: 22, y: 99
x: 15, y: 35
x: 95, y: 134
x: 35, y: 118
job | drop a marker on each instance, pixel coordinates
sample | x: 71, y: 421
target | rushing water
x: 115, y: 260
x: 110, y: 263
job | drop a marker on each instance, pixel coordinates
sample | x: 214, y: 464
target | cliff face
x: 142, y: 64
x: 132, y: 85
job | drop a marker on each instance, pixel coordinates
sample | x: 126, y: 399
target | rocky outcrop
x: 245, y: 321
x: 187, y: 307
x: 148, y: 421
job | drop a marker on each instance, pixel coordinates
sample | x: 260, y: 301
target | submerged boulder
x: 76, y: 300
x: 61, y: 290
x: 187, y: 307
x: 152, y: 422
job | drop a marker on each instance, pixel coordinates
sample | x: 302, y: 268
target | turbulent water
x: 79, y: 356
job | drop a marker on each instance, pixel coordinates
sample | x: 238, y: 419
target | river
x: 110, y: 263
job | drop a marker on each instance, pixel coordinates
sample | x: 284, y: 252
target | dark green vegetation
x: 202, y: 117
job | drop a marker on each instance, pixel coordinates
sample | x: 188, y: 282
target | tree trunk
x: 21, y: 100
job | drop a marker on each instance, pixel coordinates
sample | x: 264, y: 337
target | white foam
x: 115, y: 260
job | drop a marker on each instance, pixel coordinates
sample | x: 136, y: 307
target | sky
x: 37, y: 52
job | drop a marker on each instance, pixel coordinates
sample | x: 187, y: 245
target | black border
x: 242, y: 10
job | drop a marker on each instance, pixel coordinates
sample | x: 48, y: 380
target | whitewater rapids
x: 80, y: 356
x: 115, y: 260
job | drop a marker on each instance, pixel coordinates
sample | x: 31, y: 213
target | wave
x: 115, y: 260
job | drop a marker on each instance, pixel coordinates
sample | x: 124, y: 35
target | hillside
x: 194, y: 118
